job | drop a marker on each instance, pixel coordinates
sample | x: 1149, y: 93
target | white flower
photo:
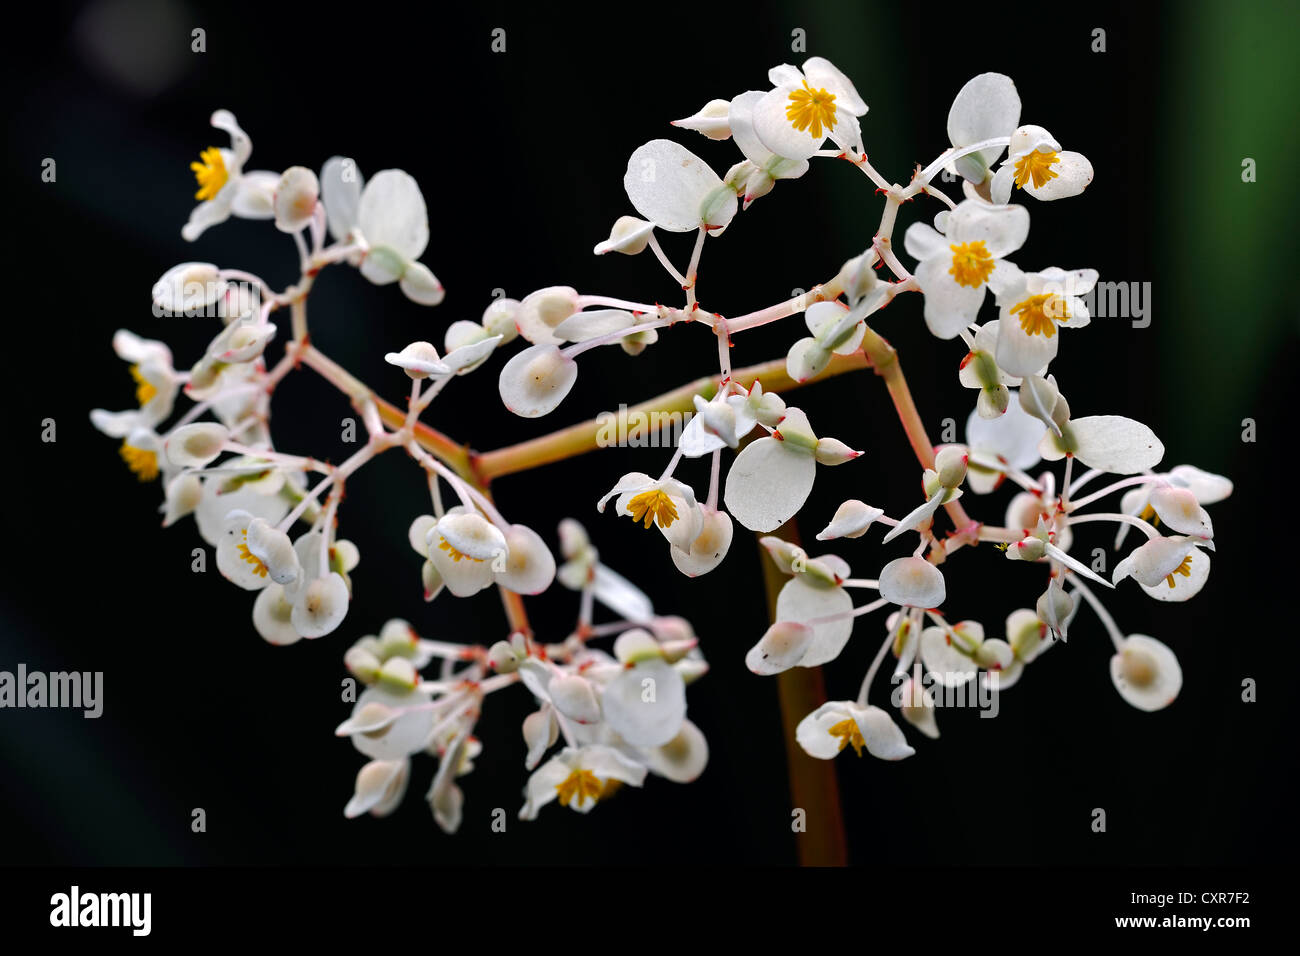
x: 987, y: 107
x: 709, y: 547
x: 1146, y: 673
x: 578, y: 778
x: 389, y: 723
x: 296, y: 199
x: 676, y: 190
x: 466, y: 549
x: 667, y: 503
x: 388, y: 218
x: 646, y: 703
x: 813, y: 597
x: 722, y: 421
x: 1168, y: 568
x: 767, y: 165
x: 954, y: 655
x: 795, y: 118
x: 1204, y: 487
x: 1034, y: 307
x: 979, y: 369
x: 224, y: 188
x: 956, y: 267
x: 838, y: 724
x: 1036, y: 164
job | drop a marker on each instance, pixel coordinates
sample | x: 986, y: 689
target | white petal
x: 882, y: 736
x: 1110, y: 443
x: 1073, y: 174
x: 668, y: 185
x: 683, y: 758
x: 988, y: 106
x: 536, y: 380
x: 949, y: 306
x: 646, y: 704
x: 340, y: 186
x: 708, y: 548
x: 775, y: 131
x: 804, y: 602
x: 913, y: 582
x: 392, y: 213
x: 407, y: 734
x: 851, y: 520
x: 768, y: 483
x: 1146, y: 673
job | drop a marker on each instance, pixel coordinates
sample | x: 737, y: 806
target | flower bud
x: 419, y: 359
x: 541, y: 311
x: 362, y: 663
x: 420, y: 285
x: 502, y: 658
x: 183, y: 495
x: 193, y: 446
x: 832, y: 451
x: 499, y: 319
x: 629, y: 236
x: 397, y: 639
x: 1054, y: 608
x: 636, y: 645
x: 712, y: 120
x: 398, y: 673
x: 950, y: 463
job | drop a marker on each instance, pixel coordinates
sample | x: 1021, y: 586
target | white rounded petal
x: 948, y: 666
x: 646, y: 704
x: 1154, y: 561
x: 530, y: 566
x: 274, y: 549
x: 881, y: 735
x: 392, y: 213
x: 294, y: 202
x: 402, y: 731
x: 781, y: 647
x: 542, y: 311
x: 912, y: 582
x: 988, y: 106
x: 1014, y: 437
x: 1146, y: 673
x: 186, y: 289
x: 669, y: 185
x: 776, y: 131
x: 1073, y: 174
x: 575, y: 698
x: 768, y: 483
x: 814, y: 732
x: 536, y: 380
x: 629, y: 236
x: 1179, y: 509
x: 1019, y: 353
x: 708, y: 548
x: 683, y: 758
x: 321, y: 606
x: 1002, y: 229
x: 1178, y: 586
x: 949, y: 306
x: 271, y: 616
x: 918, y: 708
x: 1207, y: 487
x: 380, y: 786
x: 234, y: 560
x: 802, y: 602
x: 254, y: 195
x: 340, y: 186
x: 1110, y: 443
x: 470, y: 534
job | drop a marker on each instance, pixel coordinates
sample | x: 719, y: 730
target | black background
x: 520, y: 156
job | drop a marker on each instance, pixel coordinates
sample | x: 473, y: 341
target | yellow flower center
x: 259, y: 568
x: 144, y: 389
x: 1040, y: 313
x: 848, y: 732
x: 653, y: 506
x: 1149, y: 514
x: 142, y: 462
x: 445, y: 545
x: 1036, y: 166
x: 211, y: 173
x: 810, y: 110
x: 1185, y: 569
x: 971, y: 263
x: 577, y: 787
x: 1138, y: 667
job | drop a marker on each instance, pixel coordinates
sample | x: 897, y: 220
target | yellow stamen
x: 1040, y: 313
x: 1185, y: 569
x: 144, y: 389
x: 1036, y: 166
x: 848, y: 732
x: 971, y: 263
x: 810, y: 110
x: 142, y: 462
x: 259, y: 568
x: 653, y: 506
x: 577, y: 787
x: 210, y: 173
x: 1149, y: 514
x: 445, y: 545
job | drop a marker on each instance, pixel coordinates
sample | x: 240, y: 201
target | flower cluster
x: 609, y: 718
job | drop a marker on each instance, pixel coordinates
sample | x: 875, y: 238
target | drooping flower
x: 225, y: 189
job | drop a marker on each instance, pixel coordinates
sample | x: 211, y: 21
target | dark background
x: 520, y: 156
